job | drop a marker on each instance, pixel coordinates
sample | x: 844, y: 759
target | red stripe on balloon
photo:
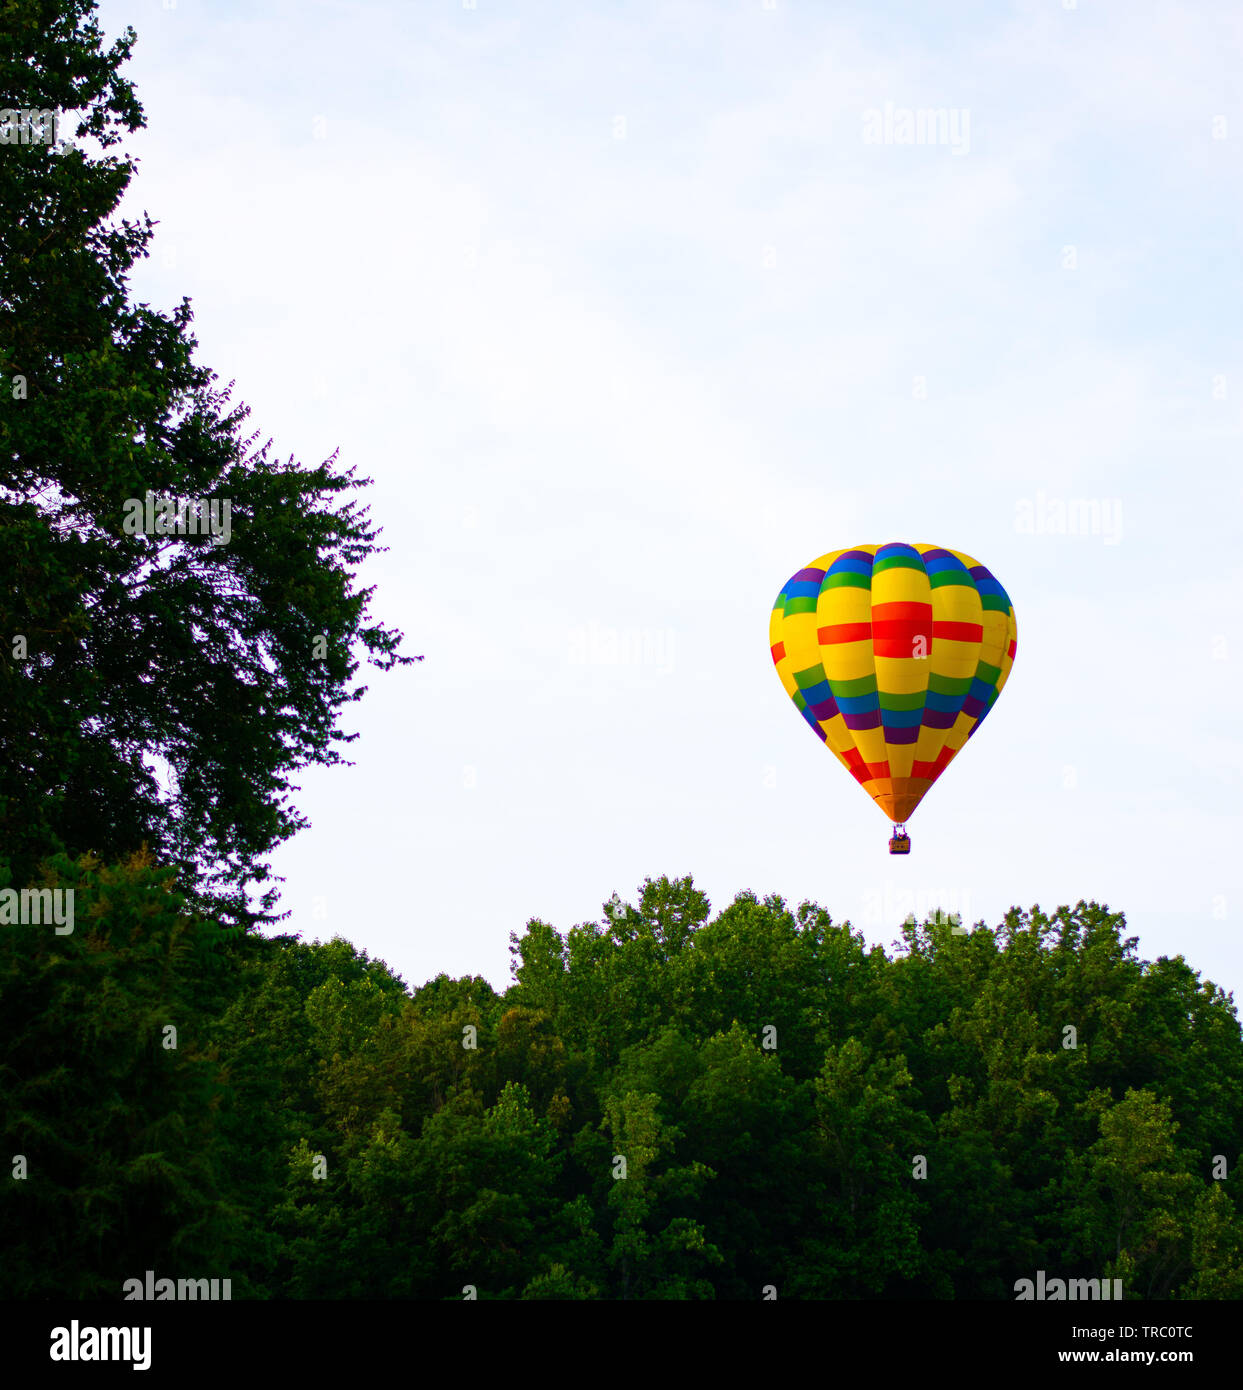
x: 844, y: 632
x: 897, y: 627
x: 907, y: 608
x: 958, y: 632
x: 854, y: 761
x: 936, y: 767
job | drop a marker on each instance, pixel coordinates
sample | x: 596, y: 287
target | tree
x: 655, y: 1253
x: 751, y: 1124
x: 155, y: 688
x: 1133, y: 1198
x: 867, y: 1133
x: 1216, y: 1247
x: 110, y: 1089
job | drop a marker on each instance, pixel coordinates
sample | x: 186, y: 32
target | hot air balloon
x: 894, y: 654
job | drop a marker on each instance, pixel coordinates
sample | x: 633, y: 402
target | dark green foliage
x: 752, y: 1158
x: 117, y: 1118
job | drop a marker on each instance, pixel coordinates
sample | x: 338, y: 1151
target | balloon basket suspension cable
x: 900, y: 841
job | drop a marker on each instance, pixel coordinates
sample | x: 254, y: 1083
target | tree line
x: 662, y: 1104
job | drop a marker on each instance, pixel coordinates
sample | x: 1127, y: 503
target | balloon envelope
x: 894, y: 654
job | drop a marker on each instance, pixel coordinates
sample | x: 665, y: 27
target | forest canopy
x: 796, y: 1112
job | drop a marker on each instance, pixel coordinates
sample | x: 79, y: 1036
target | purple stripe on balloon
x: 870, y: 720
x: 826, y: 709
x: 807, y: 577
x: 939, y: 718
x: 973, y: 707
x: 901, y: 735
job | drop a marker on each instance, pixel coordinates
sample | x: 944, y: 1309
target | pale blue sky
x: 628, y: 322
